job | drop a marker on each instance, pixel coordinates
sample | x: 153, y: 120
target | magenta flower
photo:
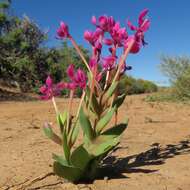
x: 108, y: 63
x: 77, y: 79
x: 93, y: 20
x: 143, y: 26
x: 50, y: 90
x: 89, y: 36
x: 80, y: 78
x: 63, y: 31
x: 136, y: 46
x: 93, y: 63
x: 71, y: 71
x: 119, y: 35
x: 104, y: 22
x: 98, y: 77
x: 94, y: 38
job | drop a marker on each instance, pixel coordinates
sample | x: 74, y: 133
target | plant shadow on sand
x: 114, y: 167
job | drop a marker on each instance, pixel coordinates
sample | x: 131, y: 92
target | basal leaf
x: 66, y: 147
x: 61, y: 160
x: 74, y: 133
x: 86, y: 125
x: 105, y: 120
x: 61, y: 119
x: 119, y: 100
x: 50, y: 134
x: 80, y: 157
x: 111, y: 89
x: 72, y: 174
x: 115, y: 131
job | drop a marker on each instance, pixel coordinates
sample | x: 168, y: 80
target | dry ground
x: 154, y: 153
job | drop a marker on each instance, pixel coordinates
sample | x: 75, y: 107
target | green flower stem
x: 116, y: 114
x: 80, y: 104
x: 92, y: 85
x: 55, y: 106
x: 107, y: 79
x: 69, y: 110
x: 122, y: 60
x: 81, y: 54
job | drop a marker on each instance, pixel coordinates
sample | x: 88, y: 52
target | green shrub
x: 131, y: 85
x: 177, y: 69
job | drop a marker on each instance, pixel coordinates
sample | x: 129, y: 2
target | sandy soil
x: 154, y: 153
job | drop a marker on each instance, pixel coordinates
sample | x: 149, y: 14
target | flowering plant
x: 100, y: 99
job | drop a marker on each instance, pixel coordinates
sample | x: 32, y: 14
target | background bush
x: 177, y: 69
x: 131, y: 85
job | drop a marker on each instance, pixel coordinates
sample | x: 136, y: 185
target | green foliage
x: 177, y: 69
x: 129, y: 85
x: 23, y: 56
x: 82, y: 161
x: 105, y: 120
x: 86, y: 125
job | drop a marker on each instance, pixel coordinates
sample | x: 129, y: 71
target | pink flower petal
x: 43, y: 89
x: 93, y: 20
x: 49, y: 82
x: 131, y: 26
x: 141, y: 16
x: 145, y: 25
x: 70, y: 71
x: 63, y: 30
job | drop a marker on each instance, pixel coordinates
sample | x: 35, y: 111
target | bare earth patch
x: 154, y: 153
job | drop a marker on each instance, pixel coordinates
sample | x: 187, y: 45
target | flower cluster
x: 49, y: 90
x: 77, y: 79
x: 118, y: 38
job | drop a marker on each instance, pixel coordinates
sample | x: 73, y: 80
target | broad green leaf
x: 95, y: 105
x: 107, y: 140
x: 61, y: 160
x: 105, y: 120
x: 61, y: 119
x: 74, y: 133
x: 89, y: 77
x: 80, y: 157
x: 104, y: 147
x: 116, y: 131
x: 94, y: 102
x: 101, y: 145
x: 66, y: 147
x: 70, y: 173
x: 50, y: 134
x: 86, y: 125
x: 48, y: 130
x: 111, y: 89
x: 119, y: 100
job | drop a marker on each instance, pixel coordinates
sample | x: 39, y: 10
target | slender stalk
x: 55, y: 106
x: 107, y: 79
x: 80, y: 54
x: 116, y: 114
x: 80, y: 104
x: 92, y: 85
x: 121, y: 62
x: 69, y: 109
x: 123, y: 58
